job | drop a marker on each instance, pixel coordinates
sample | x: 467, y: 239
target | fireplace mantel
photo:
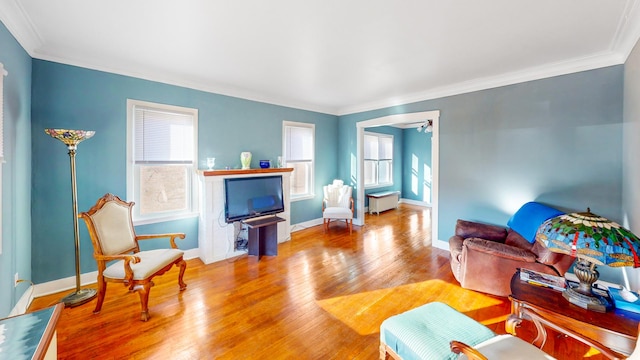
x: 216, y: 239
x: 245, y: 171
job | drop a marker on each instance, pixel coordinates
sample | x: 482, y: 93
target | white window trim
x: 380, y: 135
x: 130, y: 171
x: 286, y: 123
x: 3, y: 73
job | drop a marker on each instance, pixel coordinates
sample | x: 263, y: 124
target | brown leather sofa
x: 484, y: 257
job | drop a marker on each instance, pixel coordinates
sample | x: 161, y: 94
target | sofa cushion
x: 500, y: 250
x: 529, y: 217
x: 469, y: 229
x: 515, y: 239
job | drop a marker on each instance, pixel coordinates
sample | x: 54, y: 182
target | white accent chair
x: 337, y: 204
x: 114, y: 239
x: 507, y: 347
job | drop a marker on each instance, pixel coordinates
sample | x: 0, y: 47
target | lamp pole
x: 72, y: 138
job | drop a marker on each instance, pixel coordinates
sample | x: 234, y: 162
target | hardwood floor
x: 323, y: 297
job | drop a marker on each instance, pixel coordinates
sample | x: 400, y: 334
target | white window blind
x: 385, y: 148
x: 299, y: 151
x: 300, y: 141
x: 161, y: 153
x: 163, y: 137
x: 371, y: 147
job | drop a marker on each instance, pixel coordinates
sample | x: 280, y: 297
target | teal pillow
x: 529, y: 217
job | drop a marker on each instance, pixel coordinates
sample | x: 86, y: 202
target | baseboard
x: 415, y: 202
x: 23, y: 304
x: 440, y: 244
x: 306, y: 224
x: 68, y: 283
x: 191, y: 253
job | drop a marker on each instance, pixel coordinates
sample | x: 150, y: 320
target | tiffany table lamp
x: 593, y: 240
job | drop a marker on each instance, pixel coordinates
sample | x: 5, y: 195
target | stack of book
x: 544, y: 280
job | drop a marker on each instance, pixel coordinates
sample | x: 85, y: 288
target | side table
x: 31, y: 335
x: 613, y: 333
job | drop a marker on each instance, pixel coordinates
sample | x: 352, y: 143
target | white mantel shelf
x: 216, y: 238
x: 245, y: 171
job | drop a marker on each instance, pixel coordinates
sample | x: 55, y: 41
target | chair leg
x: 183, y: 267
x: 102, y: 289
x: 143, y: 291
x: 350, y: 223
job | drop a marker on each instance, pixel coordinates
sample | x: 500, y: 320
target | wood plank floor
x: 323, y: 297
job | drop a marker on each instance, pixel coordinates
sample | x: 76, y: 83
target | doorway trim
x: 397, y: 119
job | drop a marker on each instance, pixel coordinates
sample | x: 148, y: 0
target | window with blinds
x: 299, y: 152
x: 378, y: 160
x: 161, y: 178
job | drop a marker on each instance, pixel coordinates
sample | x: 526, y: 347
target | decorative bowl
x: 265, y: 164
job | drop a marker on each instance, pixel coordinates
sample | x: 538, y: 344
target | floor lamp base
x: 79, y: 297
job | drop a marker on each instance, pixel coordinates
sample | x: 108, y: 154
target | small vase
x: 245, y: 160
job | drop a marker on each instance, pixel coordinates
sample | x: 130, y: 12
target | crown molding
x: 628, y: 31
x: 219, y: 89
x: 22, y: 28
x: 531, y: 74
x: 19, y: 24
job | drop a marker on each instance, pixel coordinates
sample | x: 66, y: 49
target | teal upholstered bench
x: 425, y: 333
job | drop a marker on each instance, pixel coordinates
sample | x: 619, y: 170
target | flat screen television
x: 249, y: 197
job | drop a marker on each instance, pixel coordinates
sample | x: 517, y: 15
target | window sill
x: 147, y: 221
x: 304, y: 197
x: 377, y: 186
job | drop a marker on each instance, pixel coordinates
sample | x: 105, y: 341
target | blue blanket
x: 529, y: 217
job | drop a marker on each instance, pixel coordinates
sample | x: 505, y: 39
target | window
x: 378, y: 160
x: 161, y: 153
x: 299, y: 151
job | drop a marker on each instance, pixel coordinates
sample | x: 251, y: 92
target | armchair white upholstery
x: 116, y: 250
x: 337, y: 204
x: 507, y: 347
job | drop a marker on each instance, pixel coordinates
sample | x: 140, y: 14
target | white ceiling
x: 333, y: 56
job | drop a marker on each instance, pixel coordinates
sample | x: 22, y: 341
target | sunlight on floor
x: 364, y: 312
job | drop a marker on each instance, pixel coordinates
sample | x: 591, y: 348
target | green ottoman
x: 425, y: 332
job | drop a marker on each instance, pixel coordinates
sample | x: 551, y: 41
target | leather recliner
x: 484, y: 257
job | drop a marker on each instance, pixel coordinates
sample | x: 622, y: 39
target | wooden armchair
x: 114, y: 239
x: 505, y: 347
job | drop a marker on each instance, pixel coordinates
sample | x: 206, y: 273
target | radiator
x: 383, y: 201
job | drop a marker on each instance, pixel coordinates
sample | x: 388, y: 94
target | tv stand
x: 216, y: 238
x: 263, y: 236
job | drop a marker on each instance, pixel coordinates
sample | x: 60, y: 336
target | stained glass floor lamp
x: 71, y: 138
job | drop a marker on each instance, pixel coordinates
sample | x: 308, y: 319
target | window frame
x: 311, y: 184
x: 391, y: 160
x: 3, y: 73
x: 133, y: 174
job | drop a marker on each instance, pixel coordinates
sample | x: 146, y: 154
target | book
x: 544, y: 280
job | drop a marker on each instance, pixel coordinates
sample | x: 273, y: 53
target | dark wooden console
x: 263, y: 236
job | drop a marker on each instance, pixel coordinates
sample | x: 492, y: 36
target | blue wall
x: 71, y: 97
x: 416, y: 180
x: 555, y: 140
x: 16, y: 172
